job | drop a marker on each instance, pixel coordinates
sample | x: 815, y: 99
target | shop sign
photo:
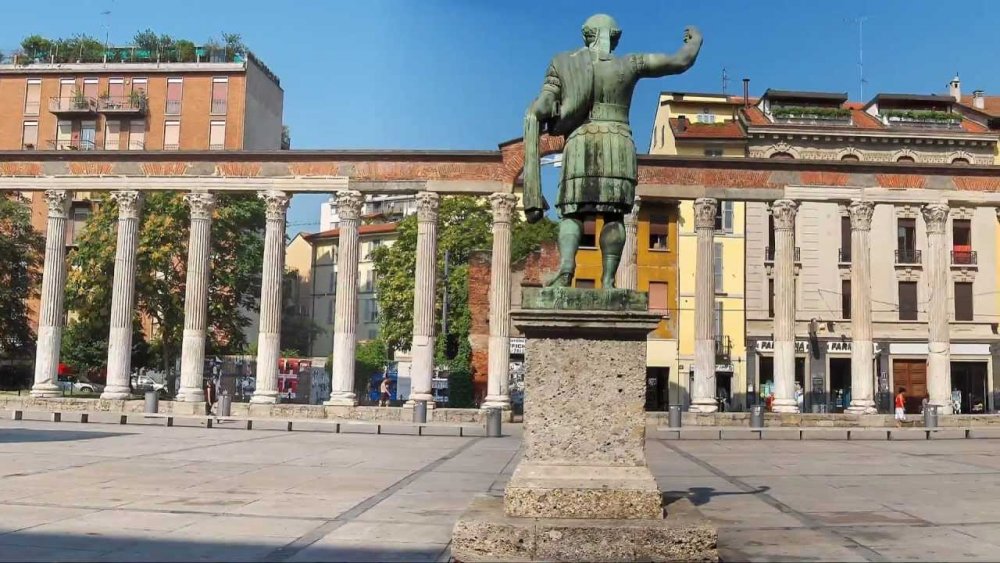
x: 517, y: 346
x: 845, y: 346
x: 727, y: 368
x: 801, y: 346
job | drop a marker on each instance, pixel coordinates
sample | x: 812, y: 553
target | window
x: 172, y: 135
x: 368, y: 281
x: 850, y: 157
x: 29, y: 135
x: 845, y: 239
x: 137, y: 135
x: 713, y: 152
x: 78, y: 215
x: 961, y: 241
x: 905, y: 158
x: 67, y: 86
x: 112, y: 134
x: 845, y: 299
x: 770, y: 233
x: 372, y: 313
x: 907, y: 301
x: 719, y: 285
x: 706, y: 116
x: 90, y: 88
x: 770, y: 297
x: 585, y: 284
x: 724, y: 217
x: 717, y: 320
x: 32, y: 96
x: 782, y: 156
x: 217, y: 136
x: 139, y: 85
x: 963, y: 301
x: 64, y: 135
x: 333, y: 282
x: 175, y: 92
x: 220, y: 95
x: 330, y: 311
x: 589, y: 238
x: 658, y: 296
x: 658, y: 227
x: 88, y: 135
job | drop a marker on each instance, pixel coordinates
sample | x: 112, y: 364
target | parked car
x: 143, y: 382
x: 78, y: 384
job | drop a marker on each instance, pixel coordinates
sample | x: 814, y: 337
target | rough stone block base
x: 485, y: 533
x: 582, y: 491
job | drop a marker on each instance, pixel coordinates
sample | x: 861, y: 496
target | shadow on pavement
x: 23, y: 435
x: 701, y: 495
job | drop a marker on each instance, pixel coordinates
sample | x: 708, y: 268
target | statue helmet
x: 601, y: 33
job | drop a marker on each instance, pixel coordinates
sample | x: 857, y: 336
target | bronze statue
x: 586, y: 98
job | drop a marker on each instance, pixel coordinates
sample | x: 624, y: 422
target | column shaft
x: 50, y: 315
x: 345, y: 328
x: 422, y: 349
x: 939, y: 338
x: 196, y: 297
x: 627, y: 275
x: 784, y: 212
x: 498, y: 379
x: 862, y: 352
x: 269, y: 338
x: 703, y: 394
x: 123, y: 296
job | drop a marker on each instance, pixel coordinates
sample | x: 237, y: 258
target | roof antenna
x: 860, y: 20
x: 725, y: 81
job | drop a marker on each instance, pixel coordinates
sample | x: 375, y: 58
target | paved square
x: 98, y: 492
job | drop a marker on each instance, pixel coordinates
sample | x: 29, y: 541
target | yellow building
x: 706, y: 125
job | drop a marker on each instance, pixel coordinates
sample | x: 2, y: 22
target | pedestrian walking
x: 900, y: 407
x: 210, y: 396
x: 383, y: 390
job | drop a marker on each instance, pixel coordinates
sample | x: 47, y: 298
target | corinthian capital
x: 861, y: 215
x: 427, y: 207
x: 705, y: 209
x: 349, y: 204
x: 502, y: 206
x: 936, y: 217
x: 129, y: 203
x: 201, y: 204
x: 784, y: 211
x: 58, y: 202
x: 277, y: 204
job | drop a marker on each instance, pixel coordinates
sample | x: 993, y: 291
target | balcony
x: 908, y: 256
x: 72, y: 145
x: 73, y: 105
x: 122, y: 105
x: 964, y: 257
x: 844, y: 256
x: 723, y: 349
x: 769, y: 255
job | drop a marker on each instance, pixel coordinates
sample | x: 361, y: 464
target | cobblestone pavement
x: 101, y: 492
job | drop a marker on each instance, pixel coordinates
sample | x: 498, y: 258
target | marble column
x: 123, y: 296
x: 784, y: 211
x: 196, y: 297
x: 939, y: 339
x: 498, y: 379
x: 50, y: 315
x: 862, y: 350
x: 627, y: 275
x: 425, y: 292
x: 269, y: 338
x: 703, y: 393
x: 345, y: 328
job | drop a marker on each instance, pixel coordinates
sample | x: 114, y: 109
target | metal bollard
x: 493, y: 421
x: 757, y: 416
x: 225, y: 404
x: 930, y: 416
x: 675, y: 416
x: 420, y: 412
x: 152, y: 402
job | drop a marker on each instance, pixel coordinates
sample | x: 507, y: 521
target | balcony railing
x: 217, y: 147
x: 71, y: 105
x: 723, y: 349
x: 72, y: 145
x: 219, y: 107
x: 844, y: 256
x: 171, y: 147
x: 769, y: 254
x: 964, y: 257
x: 122, y: 105
x: 908, y: 256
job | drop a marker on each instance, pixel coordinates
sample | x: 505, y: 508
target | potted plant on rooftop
x: 79, y: 101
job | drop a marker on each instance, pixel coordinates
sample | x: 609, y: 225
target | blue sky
x: 458, y: 74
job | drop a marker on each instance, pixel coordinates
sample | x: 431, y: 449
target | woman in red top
x: 901, y: 406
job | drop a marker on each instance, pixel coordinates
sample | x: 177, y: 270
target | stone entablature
x: 978, y: 150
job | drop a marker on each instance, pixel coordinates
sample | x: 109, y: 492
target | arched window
x: 851, y: 157
x: 960, y: 162
x: 782, y: 155
x: 905, y: 158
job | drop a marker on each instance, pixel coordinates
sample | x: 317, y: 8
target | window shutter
x: 907, y: 301
x: 845, y: 298
x: 963, y: 301
x: 718, y: 268
x: 727, y: 216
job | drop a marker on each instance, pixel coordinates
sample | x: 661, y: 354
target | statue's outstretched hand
x: 534, y: 215
x: 691, y: 33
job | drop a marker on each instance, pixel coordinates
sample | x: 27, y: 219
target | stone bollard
x: 675, y: 416
x: 420, y: 412
x: 757, y: 416
x: 493, y: 421
x: 152, y: 402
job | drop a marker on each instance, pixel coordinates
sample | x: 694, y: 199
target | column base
x: 582, y: 491
x: 426, y: 397
x: 190, y: 395
x: 116, y: 393
x: 704, y: 406
x: 862, y: 407
x: 342, y: 399
x: 44, y: 390
x: 496, y: 402
x: 265, y: 398
x: 785, y: 405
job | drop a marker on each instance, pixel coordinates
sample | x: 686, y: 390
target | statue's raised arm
x: 662, y: 64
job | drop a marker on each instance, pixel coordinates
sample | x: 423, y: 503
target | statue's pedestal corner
x: 486, y: 533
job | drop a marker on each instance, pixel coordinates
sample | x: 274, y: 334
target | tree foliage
x: 161, y: 269
x: 21, y: 253
x: 297, y: 330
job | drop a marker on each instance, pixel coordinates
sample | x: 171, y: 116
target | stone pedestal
x: 582, y: 490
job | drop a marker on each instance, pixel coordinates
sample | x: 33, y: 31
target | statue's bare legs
x: 612, y: 244
x: 570, y: 231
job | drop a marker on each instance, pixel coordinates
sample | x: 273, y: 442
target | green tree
x: 161, y: 266
x: 297, y: 330
x: 21, y: 252
x: 36, y: 46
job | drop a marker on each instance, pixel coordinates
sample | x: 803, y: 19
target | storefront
x: 760, y: 373
x: 971, y: 375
